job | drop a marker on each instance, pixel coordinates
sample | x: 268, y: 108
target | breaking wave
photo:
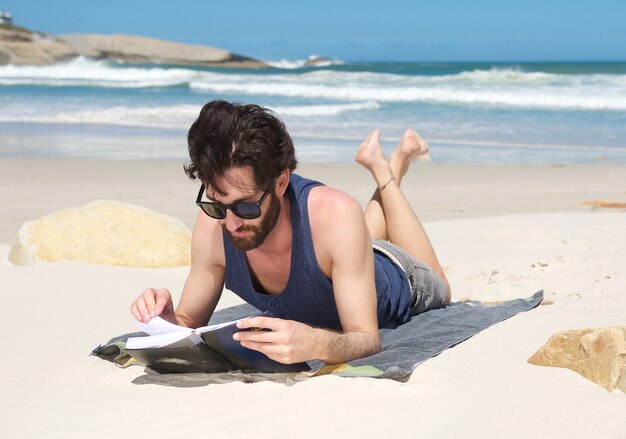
x: 171, y: 116
x: 506, y: 87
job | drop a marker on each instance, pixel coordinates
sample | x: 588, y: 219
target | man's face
x: 255, y: 234
x: 239, y: 185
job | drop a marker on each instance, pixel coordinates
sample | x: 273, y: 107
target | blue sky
x: 354, y: 30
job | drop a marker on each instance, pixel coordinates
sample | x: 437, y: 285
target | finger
x: 145, y: 304
x: 271, y: 323
x: 149, y: 297
x: 261, y: 336
x: 135, y: 311
x: 264, y: 348
x: 163, y: 300
x: 142, y: 310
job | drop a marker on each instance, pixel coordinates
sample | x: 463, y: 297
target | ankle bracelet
x: 381, y: 188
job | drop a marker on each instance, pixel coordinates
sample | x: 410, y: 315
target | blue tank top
x: 308, y: 295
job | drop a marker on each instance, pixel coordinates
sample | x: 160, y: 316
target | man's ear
x: 282, y: 182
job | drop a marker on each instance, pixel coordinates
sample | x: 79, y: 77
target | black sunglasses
x: 244, y: 210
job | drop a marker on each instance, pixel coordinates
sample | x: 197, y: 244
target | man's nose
x: 232, y: 221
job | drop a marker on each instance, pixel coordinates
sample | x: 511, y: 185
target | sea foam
x: 89, y: 73
x: 486, y: 88
x: 504, y: 87
x: 164, y: 116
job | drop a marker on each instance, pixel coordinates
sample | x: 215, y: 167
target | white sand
x: 509, y: 219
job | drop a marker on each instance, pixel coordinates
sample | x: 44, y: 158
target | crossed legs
x: 389, y: 215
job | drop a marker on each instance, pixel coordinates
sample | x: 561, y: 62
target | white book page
x: 158, y: 325
x: 215, y: 327
x: 162, y: 333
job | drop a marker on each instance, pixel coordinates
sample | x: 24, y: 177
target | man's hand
x: 285, y: 341
x: 154, y: 302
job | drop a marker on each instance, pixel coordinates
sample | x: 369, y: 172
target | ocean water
x: 468, y: 112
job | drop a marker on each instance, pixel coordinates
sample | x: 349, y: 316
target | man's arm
x: 343, y: 247
x: 345, y: 237
x: 205, y: 281
x: 203, y: 286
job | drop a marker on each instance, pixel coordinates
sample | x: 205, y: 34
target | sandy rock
x: 140, y: 49
x: 35, y: 53
x: 137, y: 49
x: 5, y: 56
x: 104, y: 232
x: 22, y: 47
x: 597, y: 354
x: 10, y: 34
x: 598, y: 204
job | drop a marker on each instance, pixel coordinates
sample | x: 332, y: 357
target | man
x: 297, y: 248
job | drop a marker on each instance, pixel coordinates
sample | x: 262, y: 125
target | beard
x: 260, y: 232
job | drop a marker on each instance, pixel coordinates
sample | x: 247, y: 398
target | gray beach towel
x: 404, y: 347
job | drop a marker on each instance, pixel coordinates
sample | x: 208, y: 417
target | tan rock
x: 22, y: 47
x: 598, y: 204
x: 35, y: 53
x: 137, y: 49
x: 104, y: 232
x: 9, y: 33
x: 142, y: 49
x: 5, y: 56
x: 597, y: 354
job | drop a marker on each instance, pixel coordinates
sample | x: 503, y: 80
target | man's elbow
x: 375, y: 344
x: 365, y: 344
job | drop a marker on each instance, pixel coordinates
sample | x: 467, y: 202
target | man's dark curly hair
x: 236, y: 134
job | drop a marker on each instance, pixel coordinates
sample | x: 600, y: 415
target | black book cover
x: 217, y: 352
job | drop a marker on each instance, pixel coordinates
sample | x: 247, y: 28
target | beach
x: 501, y: 231
x: 525, y: 118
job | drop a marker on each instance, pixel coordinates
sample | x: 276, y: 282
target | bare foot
x: 370, y: 155
x: 411, y: 146
x: 370, y: 152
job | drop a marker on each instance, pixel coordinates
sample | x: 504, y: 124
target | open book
x: 170, y: 348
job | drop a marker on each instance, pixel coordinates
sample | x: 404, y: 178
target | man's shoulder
x: 337, y: 224
x: 327, y: 203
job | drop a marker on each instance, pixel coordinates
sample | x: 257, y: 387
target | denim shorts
x: 428, y: 290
